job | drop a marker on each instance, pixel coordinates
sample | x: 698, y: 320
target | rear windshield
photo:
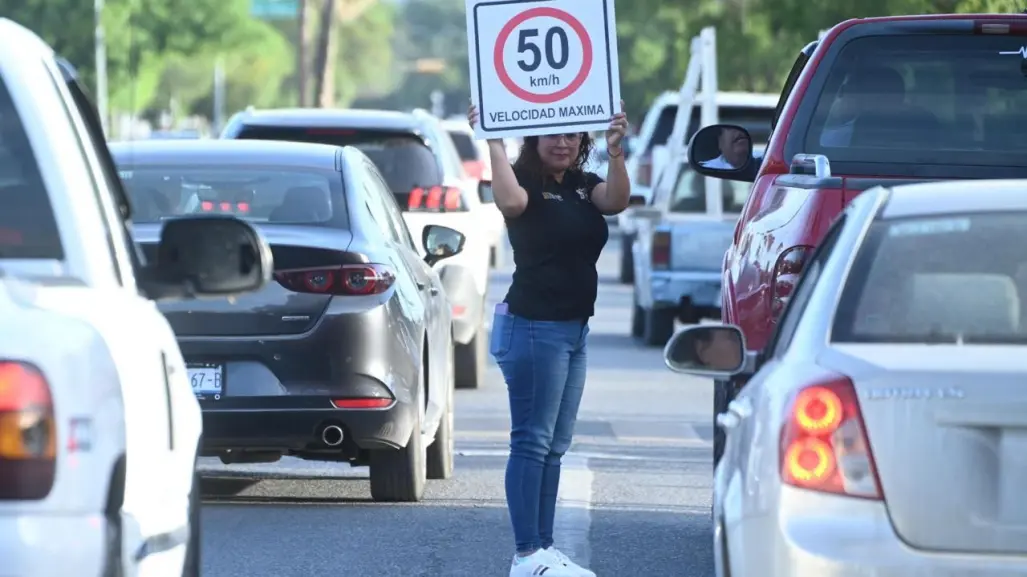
x: 402, y: 158
x: 286, y: 196
x: 924, y: 99
x: 938, y: 280
x: 28, y: 228
x: 464, y: 145
x: 754, y: 119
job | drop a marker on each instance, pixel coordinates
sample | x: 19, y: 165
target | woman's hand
x: 472, y: 119
x: 617, y: 131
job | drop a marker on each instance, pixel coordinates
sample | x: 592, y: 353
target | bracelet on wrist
x: 620, y: 152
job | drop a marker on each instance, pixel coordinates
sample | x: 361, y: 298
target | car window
x: 447, y: 151
x: 274, y: 195
x: 465, y: 146
x: 915, y: 96
x: 793, y: 76
x: 401, y: 157
x: 28, y: 227
x: 938, y: 279
x: 755, y: 119
x: 392, y: 209
x: 690, y: 194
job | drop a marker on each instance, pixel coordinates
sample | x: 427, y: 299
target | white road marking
x: 574, y: 509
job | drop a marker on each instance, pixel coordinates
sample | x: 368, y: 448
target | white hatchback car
x: 99, y: 427
x: 884, y: 432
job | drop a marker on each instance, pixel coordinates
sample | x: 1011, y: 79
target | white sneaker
x: 539, y: 564
x: 574, y: 568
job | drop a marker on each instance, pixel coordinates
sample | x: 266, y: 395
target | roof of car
x: 956, y: 197
x: 333, y: 117
x: 203, y: 152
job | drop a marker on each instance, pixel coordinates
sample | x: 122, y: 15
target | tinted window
x: 28, y: 228
x: 402, y: 158
x: 931, y: 280
x: 755, y: 120
x: 287, y: 195
x: 464, y: 145
x: 918, y: 97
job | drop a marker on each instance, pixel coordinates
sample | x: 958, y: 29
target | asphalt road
x: 635, y: 493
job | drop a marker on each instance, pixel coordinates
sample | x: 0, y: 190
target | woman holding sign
x: 554, y: 213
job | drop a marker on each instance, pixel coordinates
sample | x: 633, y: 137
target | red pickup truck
x: 875, y: 101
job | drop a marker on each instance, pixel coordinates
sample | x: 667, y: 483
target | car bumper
x: 295, y: 424
x: 668, y: 288
x: 846, y: 537
x: 51, y: 544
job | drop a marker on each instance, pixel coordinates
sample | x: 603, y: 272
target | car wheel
x: 398, y: 475
x: 659, y: 327
x: 721, y: 398
x: 440, y: 452
x: 191, y: 568
x: 471, y: 361
x: 637, y: 320
x: 627, y: 261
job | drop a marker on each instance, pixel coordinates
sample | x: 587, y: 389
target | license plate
x: 207, y: 380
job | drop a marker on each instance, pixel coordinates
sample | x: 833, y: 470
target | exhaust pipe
x: 332, y: 435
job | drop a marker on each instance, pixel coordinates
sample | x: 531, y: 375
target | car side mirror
x: 723, y: 151
x: 440, y: 242
x: 636, y: 200
x: 207, y: 256
x: 485, y: 191
x: 713, y: 350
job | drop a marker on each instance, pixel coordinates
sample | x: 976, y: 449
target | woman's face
x: 559, y: 151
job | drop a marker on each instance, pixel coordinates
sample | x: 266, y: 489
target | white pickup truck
x: 99, y: 427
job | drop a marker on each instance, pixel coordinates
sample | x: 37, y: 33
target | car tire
x: 659, y: 327
x: 440, y: 452
x: 721, y: 398
x: 637, y: 320
x: 471, y: 360
x: 193, y: 558
x: 627, y: 260
x: 398, y: 475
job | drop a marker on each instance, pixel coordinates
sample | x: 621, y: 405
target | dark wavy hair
x: 529, y: 161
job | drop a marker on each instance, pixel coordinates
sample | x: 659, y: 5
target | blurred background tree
x: 163, y: 54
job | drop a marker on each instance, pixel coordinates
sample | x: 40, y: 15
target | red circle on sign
x: 586, y: 60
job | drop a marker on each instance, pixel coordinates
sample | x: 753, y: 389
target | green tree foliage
x: 365, y: 55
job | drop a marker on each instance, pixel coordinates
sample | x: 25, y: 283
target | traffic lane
x: 637, y: 480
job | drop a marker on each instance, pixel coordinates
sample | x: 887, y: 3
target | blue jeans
x: 543, y: 363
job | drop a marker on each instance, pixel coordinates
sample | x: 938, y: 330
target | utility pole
x: 100, y: 41
x: 219, y: 95
x: 303, y: 60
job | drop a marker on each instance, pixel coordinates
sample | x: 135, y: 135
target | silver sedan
x: 884, y: 432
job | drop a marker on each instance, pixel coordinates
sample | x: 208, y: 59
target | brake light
x: 661, y: 249
x: 436, y: 199
x: 824, y: 444
x: 345, y: 280
x: 28, y: 433
x: 366, y: 403
x: 645, y: 170
x: 208, y: 206
x: 787, y: 271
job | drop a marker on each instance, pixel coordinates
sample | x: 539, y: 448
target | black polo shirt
x: 556, y: 242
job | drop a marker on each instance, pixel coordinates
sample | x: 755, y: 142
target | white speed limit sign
x: 542, y: 66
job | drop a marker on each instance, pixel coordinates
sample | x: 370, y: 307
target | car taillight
x: 824, y: 444
x: 28, y: 433
x: 661, y: 249
x: 645, y: 170
x: 436, y: 199
x: 208, y: 206
x: 787, y: 271
x: 345, y: 280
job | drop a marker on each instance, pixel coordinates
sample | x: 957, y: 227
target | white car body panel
x: 100, y: 345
